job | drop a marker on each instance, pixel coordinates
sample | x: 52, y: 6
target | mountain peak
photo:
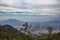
x: 11, y: 22
x: 12, y: 19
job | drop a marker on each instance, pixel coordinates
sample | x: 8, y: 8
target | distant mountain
x: 11, y: 22
x: 42, y: 25
x: 47, y: 22
x: 55, y: 22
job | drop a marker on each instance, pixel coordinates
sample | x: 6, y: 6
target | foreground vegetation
x: 7, y: 32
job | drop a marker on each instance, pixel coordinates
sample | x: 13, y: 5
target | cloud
x: 11, y: 2
x: 29, y: 3
x: 8, y: 2
x: 14, y: 3
x: 42, y: 2
x: 11, y: 9
x: 35, y: 7
x: 46, y: 11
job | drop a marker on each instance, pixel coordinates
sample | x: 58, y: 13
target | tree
x: 26, y: 27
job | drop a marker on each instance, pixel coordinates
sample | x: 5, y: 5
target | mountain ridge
x: 11, y: 22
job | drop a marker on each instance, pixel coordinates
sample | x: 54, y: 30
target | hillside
x: 11, y: 22
x: 9, y: 33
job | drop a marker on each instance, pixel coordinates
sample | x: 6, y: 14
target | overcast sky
x: 46, y: 9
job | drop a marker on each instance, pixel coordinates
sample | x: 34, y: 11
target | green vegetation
x: 7, y: 32
x: 55, y: 36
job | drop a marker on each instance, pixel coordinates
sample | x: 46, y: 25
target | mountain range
x: 16, y: 22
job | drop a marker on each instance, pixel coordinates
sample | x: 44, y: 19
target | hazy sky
x: 39, y: 6
x: 36, y: 18
x: 39, y: 10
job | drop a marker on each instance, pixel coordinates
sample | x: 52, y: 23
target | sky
x: 30, y: 10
